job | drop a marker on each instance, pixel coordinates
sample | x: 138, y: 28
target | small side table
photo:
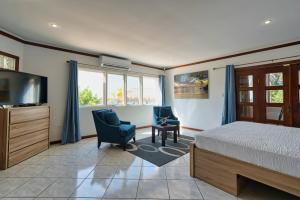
x: 164, y: 130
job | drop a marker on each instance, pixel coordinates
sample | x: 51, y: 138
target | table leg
x: 175, y: 136
x: 153, y: 135
x: 163, y: 138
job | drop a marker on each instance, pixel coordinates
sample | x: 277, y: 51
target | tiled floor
x: 81, y: 171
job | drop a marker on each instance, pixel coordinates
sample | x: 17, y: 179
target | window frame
x: 140, y: 89
x: 125, y: 75
x: 149, y: 76
x: 103, y: 86
x: 124, y: 88
x: 16, y: 58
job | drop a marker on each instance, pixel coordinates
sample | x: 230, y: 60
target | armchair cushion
x: 101, y: 113
x: 111, y: 118
x: 127, y: 129
x: 165, y: 112
x: 173, y: 122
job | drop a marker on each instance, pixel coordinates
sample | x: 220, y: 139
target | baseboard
x: 190, y: 128
x: 141, y: 127
x: 94, y: 135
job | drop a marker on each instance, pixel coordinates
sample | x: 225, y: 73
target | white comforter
x: 270, y: 146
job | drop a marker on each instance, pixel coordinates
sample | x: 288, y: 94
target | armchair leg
x: 124, y: 147
x: 178, y: 130
x: 133, y: 139
x: 99, y: 144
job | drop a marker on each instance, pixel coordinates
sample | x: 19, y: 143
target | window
x: 151, y: 91
x: 115, y: 89
x: 133, y: 90
x: 8, y: 61
x: 90, y: 83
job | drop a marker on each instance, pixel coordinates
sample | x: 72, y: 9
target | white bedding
x: 270, y: 146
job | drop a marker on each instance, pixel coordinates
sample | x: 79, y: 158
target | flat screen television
x: 21, y: 89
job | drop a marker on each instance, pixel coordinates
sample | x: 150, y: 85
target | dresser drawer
x: 23, y: 141
x: 25, y: 114
x: 27, y: 152
x: 28, y: 127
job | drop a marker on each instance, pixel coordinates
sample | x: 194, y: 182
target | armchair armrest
x: 173, y: 117
x: 124, y: 122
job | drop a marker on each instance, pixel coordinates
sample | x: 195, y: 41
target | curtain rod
x: 129, y: 72
x: 270, y: 60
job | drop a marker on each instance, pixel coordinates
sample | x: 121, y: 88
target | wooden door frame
x: 289, y: 87
x: 295, y: 87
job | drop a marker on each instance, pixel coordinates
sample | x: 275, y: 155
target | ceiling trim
x: 68, y: 50
x: 238, y: 54
x: 149, y: 66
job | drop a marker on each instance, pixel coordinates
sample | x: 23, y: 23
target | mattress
x: 269, y: 146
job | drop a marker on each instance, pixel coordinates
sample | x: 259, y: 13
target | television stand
x: 24, y: 132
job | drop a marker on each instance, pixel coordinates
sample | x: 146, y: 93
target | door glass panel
x: 274, y: 79
x: 246, y: 96
x: 274, y: 96
x: 299, y: 95
x: 299, y: 77
x: 246, y: 81
x: 274, y: 113
x: 246, y: 111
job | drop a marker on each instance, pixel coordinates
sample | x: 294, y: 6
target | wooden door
x: 295, y: 94
x: 246, y: 96
x: 274, y: 101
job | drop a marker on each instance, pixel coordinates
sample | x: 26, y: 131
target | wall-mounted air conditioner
x: 115, y: 63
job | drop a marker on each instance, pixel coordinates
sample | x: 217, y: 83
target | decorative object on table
x: 163, y: 121
x: 112, y: 130
x: 161, y: 112
x: 191, y: 85
x: 157, y: 154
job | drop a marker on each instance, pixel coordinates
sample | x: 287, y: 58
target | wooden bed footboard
x: 230, y: 175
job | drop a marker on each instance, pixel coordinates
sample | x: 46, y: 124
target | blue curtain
x: 71, y: 129
x: 229, y: 112
x: 162, y: 89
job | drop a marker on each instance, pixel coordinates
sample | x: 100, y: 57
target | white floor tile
x: 156, y: 189
x: 122, y: 188
x: 32, y: 188
x: 183, y: 189
x: 81, y: 171
x: 103, y: 172
x: 128, y: 173
x: 153, y: 173
x: 10, y: 184
x: 92, y: 188
x: 178, y: 173
x: 61, y: 188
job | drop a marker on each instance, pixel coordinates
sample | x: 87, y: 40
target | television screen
x: 18, y: 88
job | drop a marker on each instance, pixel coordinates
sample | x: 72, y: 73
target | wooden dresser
x: 24, y: 132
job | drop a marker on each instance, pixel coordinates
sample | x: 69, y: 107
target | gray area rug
x: 156, y: 153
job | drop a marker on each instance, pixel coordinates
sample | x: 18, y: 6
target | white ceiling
x: 155, y: 32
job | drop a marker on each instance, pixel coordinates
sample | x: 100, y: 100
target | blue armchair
x: 160, y: 112
x: 120, y: 134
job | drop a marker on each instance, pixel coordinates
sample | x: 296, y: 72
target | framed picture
x: 191, y: 86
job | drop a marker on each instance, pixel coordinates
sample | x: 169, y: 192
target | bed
x: 228, y: 156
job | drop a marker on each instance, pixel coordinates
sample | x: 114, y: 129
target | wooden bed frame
x: 230, y: 175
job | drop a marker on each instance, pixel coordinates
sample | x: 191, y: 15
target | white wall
x: 207, y: 113
x: 52, y: 63
x: 12, y: 47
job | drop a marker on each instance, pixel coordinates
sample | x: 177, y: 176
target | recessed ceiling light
x: 267, y: 21
x: 53, y: 25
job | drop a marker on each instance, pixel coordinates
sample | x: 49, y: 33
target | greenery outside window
x: 90, y: 83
